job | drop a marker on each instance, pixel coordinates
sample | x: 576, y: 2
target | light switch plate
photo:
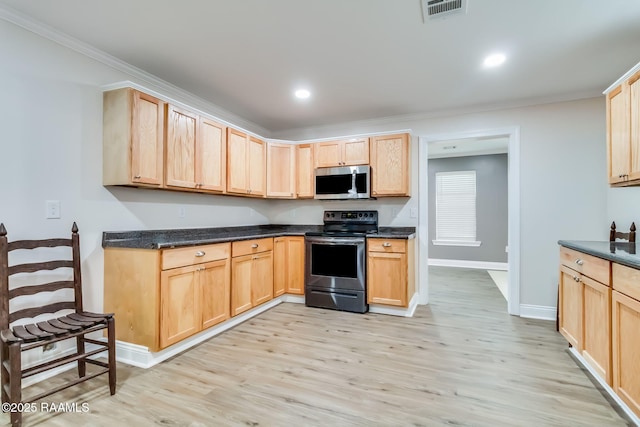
x: 52, y: 209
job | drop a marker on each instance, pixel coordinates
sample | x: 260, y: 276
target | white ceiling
x: 362, y: 59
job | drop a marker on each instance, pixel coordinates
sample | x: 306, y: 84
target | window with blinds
x: 456, y: 208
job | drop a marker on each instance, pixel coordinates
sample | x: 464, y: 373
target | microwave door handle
x: 354, y: 190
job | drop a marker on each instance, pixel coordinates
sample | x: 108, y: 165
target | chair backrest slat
x: 34, y: 244
x: 39, y: 266
x: 36, y: 289
x: 36, y: 311
x: 23, y: 288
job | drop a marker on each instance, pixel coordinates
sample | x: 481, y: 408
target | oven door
x: 335, y: 263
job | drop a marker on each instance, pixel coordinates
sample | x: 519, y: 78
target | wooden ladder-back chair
x: 18, y: 338
x: 630, y: 236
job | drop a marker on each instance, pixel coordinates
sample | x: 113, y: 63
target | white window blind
x: 456, y: 208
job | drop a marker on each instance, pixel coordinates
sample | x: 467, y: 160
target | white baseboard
x: 483, y: 265
x: 298, y: 299
x: 142, y: 357
x: 396, y: 311
x: 538, y: 312
x: 633, y: 417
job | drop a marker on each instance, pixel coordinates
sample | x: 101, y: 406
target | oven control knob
x: 360, y: 214
x: 333, y: 215
x: 366, y: 215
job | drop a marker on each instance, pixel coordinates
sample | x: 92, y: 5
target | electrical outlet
x: 182, y: 212
x: 53, y: 209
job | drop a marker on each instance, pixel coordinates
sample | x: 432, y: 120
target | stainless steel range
x: 335, y: 268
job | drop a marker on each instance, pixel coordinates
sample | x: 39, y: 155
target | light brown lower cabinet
x: 596, y: 346
x: 389, y: 263
x: 251, y: 274
x: 584, y: 308
x: 288, y: 265
x: 570, y: 307
x: 163, y: 296
x: 625, y: 331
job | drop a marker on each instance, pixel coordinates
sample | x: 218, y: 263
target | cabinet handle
x: 255, y: 245
x: 576, y: 278
x: 200, y: 254
x: 136, y: 177
x: 249, y: 191
x: 386, y: 245
x: 579, y: 261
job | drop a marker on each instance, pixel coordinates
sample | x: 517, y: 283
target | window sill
x: 455, y: 243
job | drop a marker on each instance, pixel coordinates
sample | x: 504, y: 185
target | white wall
x: 563, y: 185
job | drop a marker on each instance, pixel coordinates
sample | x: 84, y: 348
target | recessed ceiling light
x: 302, y: 93
x: 494, y: 60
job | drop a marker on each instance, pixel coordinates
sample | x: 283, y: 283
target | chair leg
x: 4, y: 373
x: 111, y: 341
x: 15, y: 381
x: 82, y: 365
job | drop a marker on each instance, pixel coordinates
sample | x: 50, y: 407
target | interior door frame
x: 513, y: 207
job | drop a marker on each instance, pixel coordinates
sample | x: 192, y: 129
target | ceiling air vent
x: 432, y: 9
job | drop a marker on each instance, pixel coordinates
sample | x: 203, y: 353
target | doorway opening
x: 464, y: 142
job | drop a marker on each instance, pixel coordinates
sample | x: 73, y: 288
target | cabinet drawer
x: 387, y: 245
x: 180, y: 257
x: 626, y: 280
x: 246, y: 247
x: 594, y: 267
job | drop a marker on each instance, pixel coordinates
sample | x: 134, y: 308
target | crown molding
x: 624, y: 77
x: 169, y: 90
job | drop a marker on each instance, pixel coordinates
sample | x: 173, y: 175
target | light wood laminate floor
x: 460, y: 361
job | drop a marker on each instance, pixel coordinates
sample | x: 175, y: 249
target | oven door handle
x: 336, y: 240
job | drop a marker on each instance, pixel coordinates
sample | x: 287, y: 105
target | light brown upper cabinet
x: 195, y: 152
x: 623, y: 132
x: 281, y: 170
x: 180, y: 157
x: 246, y: 160
x: 304, y: 176
x: 211, y: 156
x: 390, y: 165
x: 349, y: 152
x: 133, y: 139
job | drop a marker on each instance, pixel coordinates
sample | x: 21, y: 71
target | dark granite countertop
x: 160, y: 239
x: 620, y: 252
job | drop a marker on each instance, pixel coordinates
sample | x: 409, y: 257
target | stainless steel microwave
x: 345, y: 182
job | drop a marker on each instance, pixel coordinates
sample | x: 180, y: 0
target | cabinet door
x: 179, y: 302
x: 304, y: 168
x: 237, y: 179
x: 262, y: 278
x: 328, y: 154
x: 295, y: 265
x: 241, y: 284
x: 390, y: 165
x: 280, y: 263
x: 181, y: 148
x: 215, y: 286
x: 597, y: 327
x: 211, y: 156
x: 626, y: 349
x: 618, y: 135
x: 387, y: 278
x: 256, y: 164
x: 634, y: 99
x: 281, y: 165
x: 570, y: 305
x: 355, y: 152
x: 147, y: 136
